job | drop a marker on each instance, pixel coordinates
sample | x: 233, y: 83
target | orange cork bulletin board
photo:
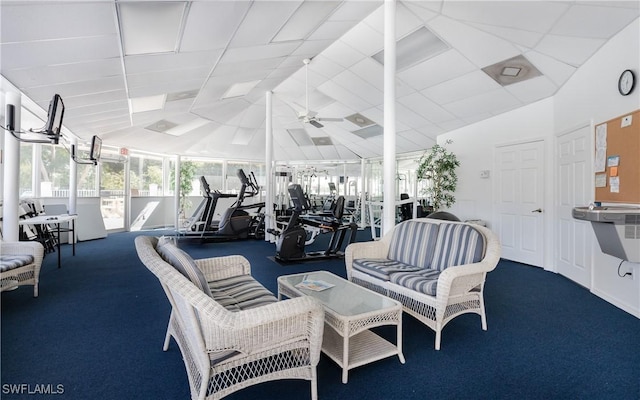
x: 617, y: 159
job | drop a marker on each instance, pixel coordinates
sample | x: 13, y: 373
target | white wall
x: 590, y: 96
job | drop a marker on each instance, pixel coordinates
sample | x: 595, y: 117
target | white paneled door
x: 574, y: 178
x: 519, y: 209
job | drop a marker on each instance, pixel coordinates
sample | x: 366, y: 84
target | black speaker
x: 10, y: 117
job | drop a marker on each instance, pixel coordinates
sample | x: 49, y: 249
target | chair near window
x: 20, y: 264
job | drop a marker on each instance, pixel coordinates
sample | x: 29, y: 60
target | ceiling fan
x: 307, y: 116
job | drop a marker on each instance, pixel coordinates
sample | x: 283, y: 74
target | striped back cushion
x: 457, y: 244
x: 183, y: 263
x: 413, y: 243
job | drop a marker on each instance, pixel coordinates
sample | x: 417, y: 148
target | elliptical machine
x: 290, y: 245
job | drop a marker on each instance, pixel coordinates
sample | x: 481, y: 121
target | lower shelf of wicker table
x: 363, y: 348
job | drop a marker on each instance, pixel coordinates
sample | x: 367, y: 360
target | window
x: 145, y: 175
x: 54, y: 172
x: 26, y: 170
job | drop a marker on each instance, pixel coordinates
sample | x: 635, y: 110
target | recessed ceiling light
x: 369, y: 131
x: 148, y: 103
x: 181, y: 129
x: 239, y: 89
x: 151, y: 27
x: 513, y: 70
x: 322, y: 141
x: 417, y: 46
x: 161, y: 126
x: 359, y: 120
x: 510, y: 71
x: 182, y: 95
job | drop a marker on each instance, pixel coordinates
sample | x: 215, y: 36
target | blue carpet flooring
x: 97, y: 328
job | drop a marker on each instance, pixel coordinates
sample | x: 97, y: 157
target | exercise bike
x: 291, y: 242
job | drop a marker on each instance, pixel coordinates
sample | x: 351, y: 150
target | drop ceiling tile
x: 533, y: 89
x: 175, y: 76
x: 520, y: 37
x: 328, y: 152
x: 274, y: 50
x: 23, y: 22
x: 65, y: 73
x: 359, y: 87
x: 571, y: 50
x: 355, y: 10
x: 409, y: 117
x: 558, y: 71
x: 41, y: 93
x: 344, y: 96
x: 210, y: 25
x: 441, y: 68
x: 427, y: 108
x: 586, y: 21
x: 479, y: 47
x: 262, y: 22
x: 64, y: 51
x: 87, y: 110
x: 422, y: 9
x: 534, y: 16
x: 364, y: 38
x: 171, y: 61
x: 343, y: 54
x: 406, y: 20
x: 164, y: 88
x: 493, y: 102
x: 468, y: 85
x: 331, y: 30
x: 96, y: 98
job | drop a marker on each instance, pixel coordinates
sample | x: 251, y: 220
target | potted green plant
x: 187, y: 172
x: 438, y: 167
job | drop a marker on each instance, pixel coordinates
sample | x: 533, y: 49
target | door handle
x: 539, y: 210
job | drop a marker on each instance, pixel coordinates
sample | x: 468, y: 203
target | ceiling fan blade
x: 316, y: 123
x: 331, y: 119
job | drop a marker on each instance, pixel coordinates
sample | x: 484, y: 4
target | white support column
x: 389, y: 198
x: 11, y: 177
x: 73, y: 178
x: 269, y: 217
x: 176, y: 195
x: 363, y: 193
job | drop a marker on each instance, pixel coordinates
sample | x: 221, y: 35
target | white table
x: 55, y: 220
x: 350, y: 312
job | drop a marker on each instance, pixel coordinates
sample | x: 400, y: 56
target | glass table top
x: 344, y: 297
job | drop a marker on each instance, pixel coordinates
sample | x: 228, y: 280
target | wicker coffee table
x: 350, y: 312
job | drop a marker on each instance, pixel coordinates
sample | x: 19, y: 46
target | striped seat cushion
x: 457, y: 244
x: 424, y: 281
x: 13, y: 261
x: 183, y: 262
x: 413, y: 243
x: 240, y: 292
x: 381, y: 268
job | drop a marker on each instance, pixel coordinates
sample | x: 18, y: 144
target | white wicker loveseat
x: 435, y: 268
x: 20, y: 265
x: 237, y: 334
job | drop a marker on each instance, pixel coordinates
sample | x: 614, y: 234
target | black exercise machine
x: 290, y: 245
x: 235, y: 222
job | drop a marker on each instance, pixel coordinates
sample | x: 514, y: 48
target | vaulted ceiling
x: 190, y: 77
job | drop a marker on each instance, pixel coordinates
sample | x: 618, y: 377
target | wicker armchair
x: 430, y: 267
x: 28, y: 274
x: 225, y: 351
